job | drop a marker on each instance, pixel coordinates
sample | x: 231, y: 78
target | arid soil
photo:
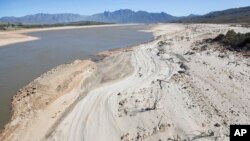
x: 176, y: 87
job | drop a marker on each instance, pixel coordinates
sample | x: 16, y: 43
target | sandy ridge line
x: 45, y: 93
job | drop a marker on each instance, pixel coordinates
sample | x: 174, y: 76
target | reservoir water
x: 23, y: 62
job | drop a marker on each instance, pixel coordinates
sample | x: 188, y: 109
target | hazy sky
x: 87, y: 7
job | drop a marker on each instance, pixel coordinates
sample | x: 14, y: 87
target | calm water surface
x: 22, y: 62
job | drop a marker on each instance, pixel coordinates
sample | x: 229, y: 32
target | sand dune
x: 176, y: 87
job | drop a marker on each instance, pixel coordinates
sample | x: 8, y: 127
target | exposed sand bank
x: 176, y: 87
x: 11, y: 37
x: 17, y: 36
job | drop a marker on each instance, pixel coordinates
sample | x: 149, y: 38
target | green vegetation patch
x: 234, y: 41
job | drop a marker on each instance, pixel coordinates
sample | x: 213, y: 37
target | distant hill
x: 129, y: 16
x: 42, y: 18
x: 119, y: 16
x: 235, y: 15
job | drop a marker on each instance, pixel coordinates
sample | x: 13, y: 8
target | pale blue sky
x: 87, y: 7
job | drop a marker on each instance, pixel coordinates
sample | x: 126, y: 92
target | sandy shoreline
x: 17, y: 36
x: 7, y: 38
x: 176, y: 87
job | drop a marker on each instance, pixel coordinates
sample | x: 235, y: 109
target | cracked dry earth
x: 180, y: 88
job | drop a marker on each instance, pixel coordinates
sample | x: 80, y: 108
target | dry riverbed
x: 176, y: 87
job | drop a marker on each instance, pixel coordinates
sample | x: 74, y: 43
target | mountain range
x: 119, y: 16
x: 236, y: 15
x: 129, y: 16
